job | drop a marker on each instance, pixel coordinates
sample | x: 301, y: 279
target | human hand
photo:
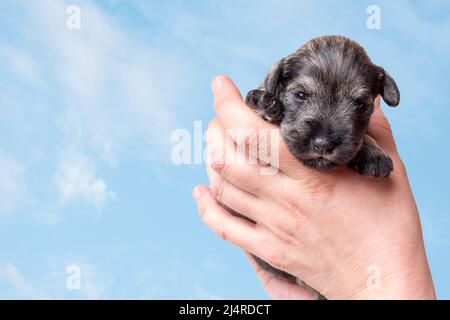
x: 327, y: 228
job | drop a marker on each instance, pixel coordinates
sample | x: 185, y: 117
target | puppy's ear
x: 389, y: 90
x: 273, y: 77
x: 265, y: 99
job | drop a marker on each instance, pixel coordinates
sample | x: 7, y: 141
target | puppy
x: 322, y: 98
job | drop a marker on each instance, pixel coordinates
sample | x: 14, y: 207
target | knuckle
x: 295, y: 207
x: 224, y: 103
x: 399, y: 165
x: 220, y: 230
x: 217, y: 189
x: 292, y: 207
x: 246, y: 138
x: 213, y: 124
x: 222, y: 233
x: 222, y: 168
x: 289, y: 234
x: 287, y: 230
x: 278, y: 260
x: 202, y: 212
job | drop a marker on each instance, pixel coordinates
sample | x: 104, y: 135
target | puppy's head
x: 322, y: 96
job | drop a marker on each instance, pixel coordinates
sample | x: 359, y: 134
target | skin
x: 331, y: 229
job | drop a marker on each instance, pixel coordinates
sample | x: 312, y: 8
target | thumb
x: 225, y: 92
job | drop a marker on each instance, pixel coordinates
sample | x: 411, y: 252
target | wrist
x: 406, y: 278
x: 404, y: 287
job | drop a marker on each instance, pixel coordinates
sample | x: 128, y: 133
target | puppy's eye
x: 300, y: 95
x: 359, y: 104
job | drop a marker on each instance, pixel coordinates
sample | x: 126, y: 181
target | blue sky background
x: 86, y: 115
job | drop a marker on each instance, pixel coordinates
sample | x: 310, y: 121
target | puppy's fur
x: 322, y: 97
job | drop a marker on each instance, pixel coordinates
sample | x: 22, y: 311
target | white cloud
x: 22, y: 64
x: 76, y: 179
x: 16, y: 280
x: 11, y: 184
x: 120, y: 88
x: 104, y: 90
x: 51, y: 282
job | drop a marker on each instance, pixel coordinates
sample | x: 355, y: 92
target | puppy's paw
x: 265, y: 105
x: 377, y: 164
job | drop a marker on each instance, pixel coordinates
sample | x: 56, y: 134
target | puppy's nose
x: 323, y: 145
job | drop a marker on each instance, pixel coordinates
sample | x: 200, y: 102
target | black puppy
x: 322, y: 97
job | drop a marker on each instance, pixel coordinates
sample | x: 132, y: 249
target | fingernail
x: 196, y: 193
x: 216, y: 84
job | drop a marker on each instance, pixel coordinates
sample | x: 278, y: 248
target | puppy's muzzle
x: 323, y: 145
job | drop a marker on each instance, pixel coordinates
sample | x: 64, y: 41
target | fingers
x: 224, y: 92
x: 234, y: 114
x: 241, y: 186
x: 380, y: 129
x: 233, y: 165
x: 243, y: 233
x: 235, y: 230
x: 256, y: 209
x: 233, y: 197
